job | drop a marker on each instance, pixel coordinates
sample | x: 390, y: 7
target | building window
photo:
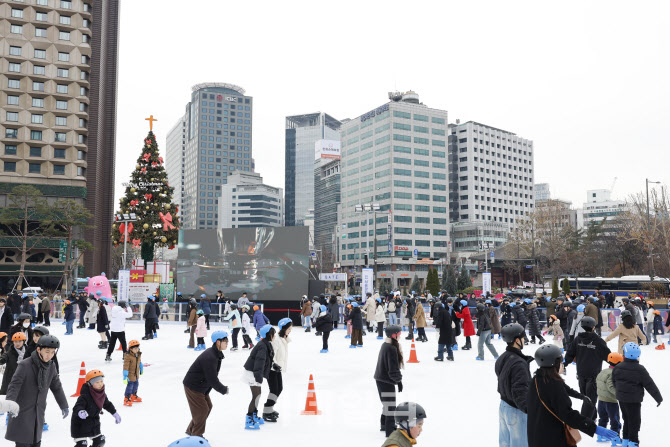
x: 66, y: 4
x: 38, y: 102
x: 81, y: 139
x: 63, y: 57
x: 14, y: 67
x: 81, y: 172
x: 59, y: 153
x: 10, y: 166
x: 41, y: 16
x: 15, y: 51
x: 13, y: 83
x: 81, y: 155
x: 85, y: 38
x: 36, y: 135
x: 37, y: 118
x: 60, y: 88
x: 60, y: 137
x: 61, y: 121
x: 61, y: 105
x: 17, y: 13
x: 16, y: 29
x: 40, y: 54
x: 65, y: 20
x: 85, y: 59
x: 35, y: 151
x: 38, y: 86
x: 10, y: 149
x: 13, y: 116
x: 63, y: 73
x: 35, y: 168
x: 84, y: 123
x: 12, y: 100
x: 83, y: 91
x: 11, y: 133
x: 39, y: 69
x: 40, y: 32
x: 59, y: 169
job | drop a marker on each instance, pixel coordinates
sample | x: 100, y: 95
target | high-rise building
x: 246, y: 202
x: 58, y: 119
x: 326, y: 202
x: 394, y: 158
x: 215, y: 142
x: 542, y: 192
x: 302, y: 133
x: 600, y: 207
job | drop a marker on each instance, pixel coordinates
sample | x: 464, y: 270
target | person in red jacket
x: 468, y: 327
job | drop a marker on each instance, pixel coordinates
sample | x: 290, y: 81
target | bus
x: 623, y: 286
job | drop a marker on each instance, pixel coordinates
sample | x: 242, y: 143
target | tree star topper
x: 151, y: 120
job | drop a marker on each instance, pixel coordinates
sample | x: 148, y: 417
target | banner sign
x: 333, y: 276
x: 486, y: 282
x: 367, y: 282
x: 140, y: 291
x: 166, y: 291
x: 122, y: 286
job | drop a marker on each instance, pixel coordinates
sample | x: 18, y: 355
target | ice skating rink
x: 460, y: 397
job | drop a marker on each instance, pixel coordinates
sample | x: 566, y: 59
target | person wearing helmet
x: 200, y: 330
x: 256, y: 368
x: 15, y: 352
x: 92, y: 310
x: 246, y: 328
x: 260, y: 320
x: 589, y: 351
x: 608, y: 408
x: 324, y: 324
x: 356, y: 318
x: 306, y: 313
x: 201, y: 379
x: 388, y: 376
x: 630, y: 380
x: 39, y: 332
x: 576, y: 327
x: 484, y: 333
x: 149, y: 316
x: 133, y: 368
x: 519, y: 315
x: 468, y: 326
x: 102, y: 322
x: 33, y: 379
x: 534, y: 323
x: 513, y: 374
x: 22, y: 325
x: 86, y: 412
x: 592, y: 310
x: 408, y: 418
x: 6, y: 317
x: 191, y: 441
x: 206, y: 307
x: 627, y: 331
x: 550, y: 407
x: 235, y: 323
x: 120, y: 313
x: 69, y: 316
x: 191, y: 322
x: 275, y: 381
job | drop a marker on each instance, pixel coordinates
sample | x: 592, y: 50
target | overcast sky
x: 587, y: 81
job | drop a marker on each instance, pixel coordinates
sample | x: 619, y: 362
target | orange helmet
x: 3, y: 334
x: 650, y: 303
x: 19, y: 336
x: 31, y: 302
x: 66, y: 302
x: 554, y: 317
x: 348, y: 306
x: 657, y: 312
x: 133, y: 343
x: 614, y: 358
x: 92, y: 374
x: 255, y: 307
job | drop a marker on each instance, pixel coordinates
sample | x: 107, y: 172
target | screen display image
x: 269, y: 263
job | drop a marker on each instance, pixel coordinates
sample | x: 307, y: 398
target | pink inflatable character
x: 99, y: 284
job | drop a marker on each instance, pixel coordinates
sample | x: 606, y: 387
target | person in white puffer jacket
x: 117, y: 326
x: 280, y: 345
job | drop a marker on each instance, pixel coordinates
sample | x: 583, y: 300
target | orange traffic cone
x: 310, y: 404
x: 412, y: 355
x: 660, y: 347
x: 119, y: 348
x: 82, y: 379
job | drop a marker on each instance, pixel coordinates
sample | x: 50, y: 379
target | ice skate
x: 269, y: 417
x: 352, y: 346
x: 602, y: 439
x: 616, y: 442
x: 108, y: 358
x: 324, y: 351
x: 127, y: 402
x: 258, y: 420
x: 438, y: 359
x: 359, y: 346
x: 479, y: 358
x: 308, y: 330
x: 135, y: 399
x: 380, y: 338
x: 45, y: 427
x: 450, y: 358
x: 250, y: 424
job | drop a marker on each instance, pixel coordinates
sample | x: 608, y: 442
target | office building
x: 395, y: 156
x: 542, y: 193
x: 246, y: 202
x: 478, y: 236
x: 326, y: 201
x: 58, y: 78
x: 302, y: 133
x: 600, y: 207
x: 215, y: 142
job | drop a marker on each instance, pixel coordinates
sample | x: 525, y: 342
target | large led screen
x: 269, y: 263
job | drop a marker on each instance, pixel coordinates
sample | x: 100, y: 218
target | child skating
x: 260, y: 320
x: 608, y: 408
x: 86, y: 412
x: 132, y: 370
x: 246, y: 328
x: 324, y: 324
x: 201, y: 330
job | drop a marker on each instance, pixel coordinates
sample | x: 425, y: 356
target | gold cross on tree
x: 151, y: 120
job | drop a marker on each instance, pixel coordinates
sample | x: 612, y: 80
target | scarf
x: 98, y: 396
x: 21, y: 353
x: 42, y: 370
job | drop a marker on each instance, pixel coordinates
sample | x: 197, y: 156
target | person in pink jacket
x: 468, y: 327
x: 201, y: 330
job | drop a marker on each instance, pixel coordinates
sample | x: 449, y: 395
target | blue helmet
x: 179, y: 293
x: 512, y: 304
x: 150, y: 297
x: 284, y: 321
x: 191, y: 441
x: 354, y: 304
x: 527, y: 301
x: 323, y: 308
x: 218, y: 335
x: 581, y: 308
x: 203, y: 296
x: 200, y: 312
x: 265, y: 329
x: 487, y: 302
x: 464, y: 303
x: 631, y: 351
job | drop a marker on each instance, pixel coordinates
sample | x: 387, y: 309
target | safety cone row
x: 412, y: 354
x: 660, y: 347
x: 310, y: 404
x: 82, y: 379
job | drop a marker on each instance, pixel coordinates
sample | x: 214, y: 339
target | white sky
x: 587, y: 81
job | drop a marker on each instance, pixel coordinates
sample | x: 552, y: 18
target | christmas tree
x: 149, y: 196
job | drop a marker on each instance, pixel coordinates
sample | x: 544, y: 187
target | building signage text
x: 375, y: 112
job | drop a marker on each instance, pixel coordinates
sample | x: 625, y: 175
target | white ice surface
x: 460, y: 397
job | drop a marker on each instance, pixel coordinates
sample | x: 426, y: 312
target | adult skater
x: 102, y: 323
x: 411, y: 311
x: 409, y: 418
x: 550, y: 407
x: 446, y: 339
x: 388, y: 375
x: 256, y: 368
x: 199, y: 381
x: 484, y: 333
x: 534, y: 323
x: 356, y: 319
x: 627, y: 331
x: 513, y: 371
x: 6, y: 317
x: 323, y: 325
x: 519, y: 316
x: 468, y: 326
x: 82, y: 304
x: 275, y: 381
x: 92, y: 311
x: 191, y: 322
x: 420, y: 322
x: 149, y: 318
x: 45, y: 307
x: 235, y: 323
x: 306, y: 313
x: 369, y: 309
x: 334, y: 310
x: 120, y: 313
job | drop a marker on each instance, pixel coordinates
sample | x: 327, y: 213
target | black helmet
x: 588, y: 323
x: 546, y: 355
x: 193, y: 302
x: 233, y: 306
x: 481, y: 307
x: 123, y: 304
x: 625, y: 313
x: 512, y: 331
x: 626, y: 300
x: 393, y: 329
x: 408, y: 414
x: 42, y: 330
x: 48, y: 341
x: 24, y: 316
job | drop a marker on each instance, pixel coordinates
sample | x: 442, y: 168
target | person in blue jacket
x: 206, y: 306
x: 69, y: 317
x: 260, y: 320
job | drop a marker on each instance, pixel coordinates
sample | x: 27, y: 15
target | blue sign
x: 415, y: 253
x: 493, y: 254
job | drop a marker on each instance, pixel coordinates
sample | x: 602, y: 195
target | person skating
x: 369, y: 308
x: 69, y: 316
x: 92, y: 310
x: 235, y: 323
x: 356, y: 319
x: 33, y: 379
x: 201, y: 379
x: 306, y: 314
x: 275, y: 380
x: 206, y: 307
x: 519, y: 316
x: 86, y: 412
x: 493, y: 316
x: 608, y: 407
x: 201, y: 330
x: 45, y: 308
x: 324, y: 324
x: 246, y: 328
x: 192, y: 322
x: 149, y: 318
x: 409, y: 417
x: 120, y: 313
x: 630, y: 380
x: 627, y: 331
x: 589, y: 351
x: 484, y: 333
x: 550, y: 407
x: 165, y: 308
x: 256, y: 368
x: 102, y: 323
x: 411, y: 312
x: 505, y: 313
x: 657, y: 328
x: 468, y: 326
x: 380, y: 318
x: 22, y: 325
x: 133, y: 368
x: 420, y: 323
x: 260, y: 320
x: 6, y: 317
x: 446, y: 338
x: 15, y: 351
x: 82, y: 304
x: 388, y: 376
x: 554, y: 325
x: 334, y: 310
x: 534, y: 323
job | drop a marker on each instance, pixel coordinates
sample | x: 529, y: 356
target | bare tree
x: 70, y: 218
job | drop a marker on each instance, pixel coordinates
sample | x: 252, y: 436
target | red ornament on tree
x: 134, y: 202
x: 143, y: 170
x: 146, y: 157
x: 154, y: 164
x: 148, y: 197
x: 160, y: 159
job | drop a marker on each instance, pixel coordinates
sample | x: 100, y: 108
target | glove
x: 587, y: 400
x: 125, y: 377
x: 276, y: 367
x: 605, y: 433
x: 244, y: 331
x: 82, y: 414
x: 65, y: 412
x: 117, y: 417
x: 141, y: 369
x: 12, y: 408
x: 400, y: 387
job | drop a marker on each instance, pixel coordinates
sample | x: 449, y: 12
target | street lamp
x: 125, y: 219
x: 368, y: 208
x: 649, y: 247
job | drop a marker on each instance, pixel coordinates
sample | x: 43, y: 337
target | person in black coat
x: 83, y: 305
x: 257, y: 367
x: 22, y: 325
x: 388, y: 375
x: 334, y: 310
x: 356, y: 318
x: 15, y: 351
x: 519, y: 317
x: 14, y: 304
x: 324, y: 324
x: 150, y: 318
x: 102, y: 323
x: 446, y: 339
x: 86, y: 412
x: 201, y: 379
x: 505, y: 313
x: 6, y: 317
x: 454, y: 308
x: 411, y: 310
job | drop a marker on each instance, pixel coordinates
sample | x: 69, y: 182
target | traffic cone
x: 310, y: 403
x: 660, y: 347
x: 412, y: 355
x: 82, y: 379
x: 119, y: 348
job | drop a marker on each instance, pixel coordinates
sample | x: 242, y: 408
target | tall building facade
x: 246, y: 202
x: 302, y: 133
x: 600, y: 207
x: 58, y: 82
x: 542, y: 192
x: 175, y: 161
x: 395, y: 156
x: 326, y: 202
x: 216, y: 142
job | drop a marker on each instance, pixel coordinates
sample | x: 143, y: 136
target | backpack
x: 391, y: 307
